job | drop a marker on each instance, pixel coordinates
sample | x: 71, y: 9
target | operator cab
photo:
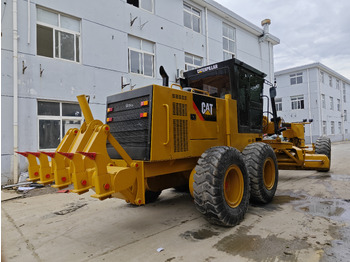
x: 243, y: 82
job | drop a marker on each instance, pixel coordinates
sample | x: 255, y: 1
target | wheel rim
x: 269, y: 173
x: 233, y: 186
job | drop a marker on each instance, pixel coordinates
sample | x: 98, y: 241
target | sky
x: 309, y: 30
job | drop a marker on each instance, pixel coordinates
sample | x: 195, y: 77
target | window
x: 192, y: 62
x: 55, y: 118
x: 297, y: 102
x: 141, y: 56
x: 228, y: 41
x: 278, y: 102
x: 322, y: 76
x: 345, y: 115
x: 337, y: 84
x: 338, y: 105
x: 192, y: 18
x: 143, y: 4
x: 324, y: 127
x: 332, y: 127
x: 296, y: 78
x: 331, y: 102
x: 339, y: 127
x: 57, y: 35
x: 330, y: 80
x: 344, y: 93
x: 323, y: 100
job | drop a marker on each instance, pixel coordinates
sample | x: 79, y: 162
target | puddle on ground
x: 257, y: 248
x: 199, y: 234
x: 335, y: 209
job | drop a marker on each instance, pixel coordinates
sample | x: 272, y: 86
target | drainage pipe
x: 15, y: 92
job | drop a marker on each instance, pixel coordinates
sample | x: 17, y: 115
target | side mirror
x: 273, y: 92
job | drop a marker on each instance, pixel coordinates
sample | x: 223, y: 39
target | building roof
x: 236, y: 19
x: 311, y: 66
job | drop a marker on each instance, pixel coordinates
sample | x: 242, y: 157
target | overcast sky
x: 309, y: 30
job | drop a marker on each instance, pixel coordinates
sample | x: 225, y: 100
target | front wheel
x: 262, y: 167
x: 323, y: 146
x: 221, y: 186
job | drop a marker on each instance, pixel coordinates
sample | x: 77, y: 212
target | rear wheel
x: 261, y: 163
x: 323, y: 146
x: 221, y: 186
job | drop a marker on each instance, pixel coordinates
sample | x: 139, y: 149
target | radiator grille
x: 127, y: 126
x: 179, y: 109
x: 180, y: 135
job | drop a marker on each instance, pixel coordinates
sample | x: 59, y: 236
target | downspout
x: 320, y: 111
x: 207, y: 35
x: 28, y: 22
x: 15, y: 92
x: 309, y: 101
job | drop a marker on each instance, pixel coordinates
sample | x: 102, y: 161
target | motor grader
x: 209, y: 135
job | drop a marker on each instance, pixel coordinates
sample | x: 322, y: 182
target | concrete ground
x: 308, y: 220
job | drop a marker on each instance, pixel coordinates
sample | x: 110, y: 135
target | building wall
x: 312, y: 88
x: 105, y: 26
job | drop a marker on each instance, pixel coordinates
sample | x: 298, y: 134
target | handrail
x: 167, y: 124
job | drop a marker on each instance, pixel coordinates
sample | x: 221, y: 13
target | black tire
x: 261, y: 163
x: 216, y: 169
x: 151, y: 196
x: 323, y: 146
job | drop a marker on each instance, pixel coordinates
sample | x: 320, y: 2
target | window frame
x: 296, y: 76
x: 345, y: 115
x: 228, y: 52
x: 299, y: 101
x: 58, y: 28
x: 192, y: 14
x: 193, y: 65
x: 323, y: 100
x: 60, y: 118
x: 331, y: 103
x: 324, y: 127
x: 330, y: 79
x: 140, y: 6
x: 344, y: 92
x: 322, y: 76
x: 340, y: 127
x: 332, y: 128
x: 278, y: 103
x: 143, y: 52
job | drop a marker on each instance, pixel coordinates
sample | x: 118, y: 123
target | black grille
x: 129, y: 123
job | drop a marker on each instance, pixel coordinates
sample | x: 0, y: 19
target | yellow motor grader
x: 208, y: 134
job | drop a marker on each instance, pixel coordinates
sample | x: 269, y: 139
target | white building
x: 53, y: 51
x: 315, y: 92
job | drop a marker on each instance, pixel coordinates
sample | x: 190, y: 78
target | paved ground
x: 308, y: 220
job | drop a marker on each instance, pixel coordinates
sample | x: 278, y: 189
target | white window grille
x: 323, y: 100
x: 331, y: 102
x: 297, y: 102
x: 54, y: 120
x: 141, y: 56
x: 192, y: 62
x: 332, y: 127
x: 278, y: 102
x: 324, y: 127
x: 192, y: 18
x: 57, y: 35
x: 296, y: 78
x: 143, y: 4
x: 228, y: 41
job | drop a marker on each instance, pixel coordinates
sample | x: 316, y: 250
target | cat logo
x: 207, y: 109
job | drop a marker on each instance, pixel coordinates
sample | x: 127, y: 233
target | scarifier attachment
x: 45, y: 168
x: 33, y: 167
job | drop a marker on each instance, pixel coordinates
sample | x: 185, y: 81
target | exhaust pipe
x: 164, y: 76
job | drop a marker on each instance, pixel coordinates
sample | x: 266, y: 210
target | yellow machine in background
x: 206, y: 135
